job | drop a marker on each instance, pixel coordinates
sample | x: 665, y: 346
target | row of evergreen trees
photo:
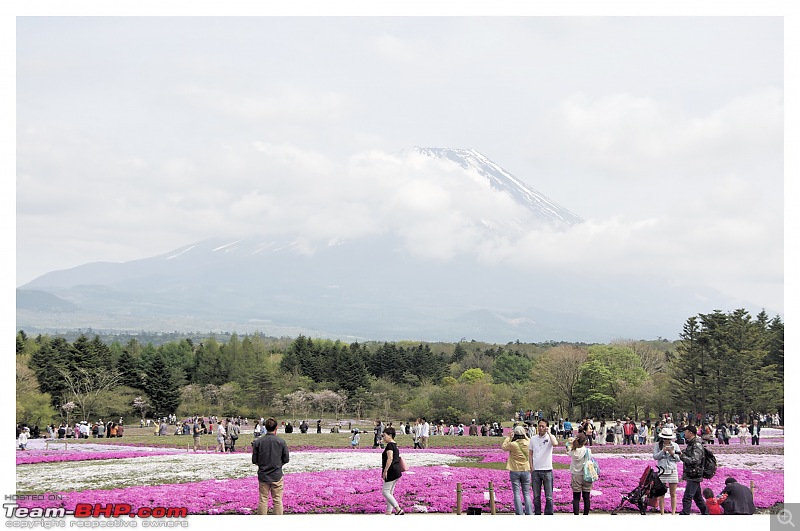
x: 724, y: 362
x: 730, y: 362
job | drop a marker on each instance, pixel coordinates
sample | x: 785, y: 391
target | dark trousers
x: 576, y: 502
x: 693, y: 492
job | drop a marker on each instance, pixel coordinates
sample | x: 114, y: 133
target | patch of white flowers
x: 190, y: 467
x: 742, y: 461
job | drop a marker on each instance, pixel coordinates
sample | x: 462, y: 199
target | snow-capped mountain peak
x: 542, y: 207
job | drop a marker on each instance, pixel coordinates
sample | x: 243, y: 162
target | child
x: 355, y: 440
x: 714, y: 504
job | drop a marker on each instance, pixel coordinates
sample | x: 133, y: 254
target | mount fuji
x: 368, y: 287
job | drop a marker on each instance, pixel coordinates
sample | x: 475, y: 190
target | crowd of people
x: 81, y: 430
x: 530, y: 466
x: 529, y: 445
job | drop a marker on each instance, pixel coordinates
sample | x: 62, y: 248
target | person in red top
x: 714, y: 504
x: 630, y: 430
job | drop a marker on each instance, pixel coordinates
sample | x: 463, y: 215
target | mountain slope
x: 499, y: 179
x: 374, y: 287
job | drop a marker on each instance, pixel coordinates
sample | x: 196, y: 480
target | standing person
x: 390, y: 471
x: 519, y: 467
x: 743, y: 431
x: 588, y: 429
x: 196, y: 431
x: 619, y: 432
x: 540, y: 453
x: 415, y: 433
x: 355, y: 440
x: 576, y: 448
x: 270, y: 453
x: 692, y: 458
x: 221, y: 435
x: 22, y: 440
x: 233, y: 433
x: 424, y: 433
x: 603, y: 432
x: 630, y: 430
x: 643, y: 432
x: 666, y: 452
x: 378, y: 439
x: 567, y: 428
x: 755, y: 432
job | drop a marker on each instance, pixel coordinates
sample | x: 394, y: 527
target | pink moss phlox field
x: 51, y: 456
x: 425, y: 489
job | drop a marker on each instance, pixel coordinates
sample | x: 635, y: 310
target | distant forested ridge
x: 723, y: 363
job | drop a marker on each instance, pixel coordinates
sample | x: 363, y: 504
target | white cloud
x: 672, y: 153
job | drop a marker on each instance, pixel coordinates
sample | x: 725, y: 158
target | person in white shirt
x: 540, y: 454
x: 22, y: 440
x: 221, y: 434
x: 424, y: 433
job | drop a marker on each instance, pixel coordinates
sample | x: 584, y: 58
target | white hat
x: 667, y: 433
x: 519, y: 430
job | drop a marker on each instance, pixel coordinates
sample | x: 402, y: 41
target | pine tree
x: 129, y: 366
x: 689, y: 366
x: 47, y: 363
x: 163, y: 388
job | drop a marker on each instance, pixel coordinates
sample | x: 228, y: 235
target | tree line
x: 723, y: 363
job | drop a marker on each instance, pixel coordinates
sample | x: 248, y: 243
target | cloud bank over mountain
x: 670, y: 152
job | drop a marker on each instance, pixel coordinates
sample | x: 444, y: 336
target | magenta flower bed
x: 50, y: 456
x: 427, y: 489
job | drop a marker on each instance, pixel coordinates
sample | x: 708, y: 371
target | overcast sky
x: 139, y: 135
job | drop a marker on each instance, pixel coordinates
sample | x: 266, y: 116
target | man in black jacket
x: 693, y: 458
x: 740, y: 499
x: 755, y: 432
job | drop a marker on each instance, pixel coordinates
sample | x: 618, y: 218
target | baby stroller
x: 649, y: 488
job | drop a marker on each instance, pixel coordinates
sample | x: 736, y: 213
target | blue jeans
x: 539, y: 478
x: 521, y: 487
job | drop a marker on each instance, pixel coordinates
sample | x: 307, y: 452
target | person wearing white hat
x: 666, y: 452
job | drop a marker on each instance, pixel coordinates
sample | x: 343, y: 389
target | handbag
x: 591, y: 470
x: 403, y: 465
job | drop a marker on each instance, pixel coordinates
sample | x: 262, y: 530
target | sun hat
x: 667, y: 433
x: 519, y: 430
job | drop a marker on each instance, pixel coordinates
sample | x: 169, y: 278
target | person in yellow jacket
x: 519, y: 469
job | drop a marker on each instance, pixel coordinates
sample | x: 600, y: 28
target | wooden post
x: 491, y: 498
x: 458, y: 498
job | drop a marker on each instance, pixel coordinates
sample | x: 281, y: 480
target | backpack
x: 709, y: 463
